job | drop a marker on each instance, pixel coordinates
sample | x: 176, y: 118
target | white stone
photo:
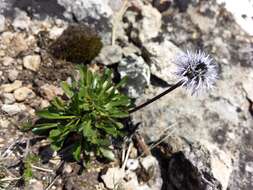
x: 2, y: 23
x: 205, y: 24
x: 55, y: 32
x: 44, y: 104
x: 13, y: 74
x: 162, y: 56
x: 8, y: 98
x: 11, y: 87
x: 138, y: 73
x: 245, y: 7
x: 4, y: 123
x: 148, y: 162
x: 21, y: 21
x: 32, y: 62
x: 23, y: 93
x: 113, y: 177
x: 221, y: 164
x: 13, y: 109
x: 110, y: 54
x: 150, y: 24
x: 7, y: 61
x: 95, y: 9
x: 35, y: 185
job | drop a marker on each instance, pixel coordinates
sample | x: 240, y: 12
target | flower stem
x: 156, y: 97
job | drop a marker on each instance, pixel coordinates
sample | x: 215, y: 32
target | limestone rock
x: 110, y: 54
x: 150, y: 24
x: 161, y: 57
x: 8, y: 98
x: 2, y: 23
x: 194, y: 166
x: 8, y: 61
x: 21, y: 21
x: 83, y: 9
x: 13, y: 74
x: 35, y: 185
x: 96, y: 13
x: 147, y: 27
x: 13, y: 109
x: 113, y: 177
x: 23, y: 93
x: 205, y: 23
x: 50, y: 91
x: 11, y: 87
x: 32, y: 62
x: 138, y: 73
x: 4, y: 123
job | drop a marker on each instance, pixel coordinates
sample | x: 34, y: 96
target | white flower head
x: 197, y: 70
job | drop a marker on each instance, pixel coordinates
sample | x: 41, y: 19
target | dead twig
x: 52, y: 183
x: 42, y: 169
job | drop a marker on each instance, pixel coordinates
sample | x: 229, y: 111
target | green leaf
x: 111, y: 130
x: 89, y: 77
x: 67, y: 90
x: 44, y: 126
x: 107, y: 153
x: 58, y: 103
x: 55, y: 133
x: 122, y: 82
x: 56, y: 145
x: 119, y: 114
x: 77, y: 151
x: 89, y: 132
x: 48, y: 115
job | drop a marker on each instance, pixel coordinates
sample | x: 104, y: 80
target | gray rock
x: 8, y: 61
x: 2, y: 23
x: 115, y: 5
x: 113, y: 177
x: 83, y: 9
x: 13, y: 109
x: 147, y: 27
x: 150, y: 24
x: 35, y: 185
x: 161, y: 58
x: 21, y: 21
x: 13, y: 74
x: 193, y: 165
x: 131, y: 49
x: 109, y: 55
x: 222, y: 119
x: 8, y: 98
x: 205, y: 23
x: 96, y: 13
x: 137, y: 72
x: 146, y: 177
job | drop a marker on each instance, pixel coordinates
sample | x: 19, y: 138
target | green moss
x: 78, y: 44
x: 29, y: 160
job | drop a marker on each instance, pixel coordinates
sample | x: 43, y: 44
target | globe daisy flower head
x: 197, y: 71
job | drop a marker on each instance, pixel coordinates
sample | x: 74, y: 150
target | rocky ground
x: 210, y: 136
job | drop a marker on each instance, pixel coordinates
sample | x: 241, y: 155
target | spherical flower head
x: 197, y: 71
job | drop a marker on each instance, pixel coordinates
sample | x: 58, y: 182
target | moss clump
x: 78, y: 44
